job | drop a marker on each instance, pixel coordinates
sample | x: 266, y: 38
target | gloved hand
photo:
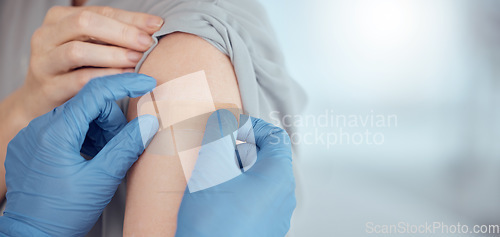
x: 51, y: 189
x: 259, y: 201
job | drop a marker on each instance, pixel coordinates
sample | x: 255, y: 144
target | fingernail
x: 145, y: 39
x: 134, y: 56
x: 149, y: 126
x: 155, y: 22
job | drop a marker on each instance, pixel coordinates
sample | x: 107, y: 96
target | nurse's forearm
x: 14, y: 116
x: 156, y: 183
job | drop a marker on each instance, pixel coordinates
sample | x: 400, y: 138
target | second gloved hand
x: 51, y: 189
x: 259, y: 201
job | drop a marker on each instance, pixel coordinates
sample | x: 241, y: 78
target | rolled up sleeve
x: 241, y: 30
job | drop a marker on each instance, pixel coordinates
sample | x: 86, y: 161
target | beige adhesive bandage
x: 182, y: 107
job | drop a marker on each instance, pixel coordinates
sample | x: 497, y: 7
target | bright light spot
x: 387, y: 22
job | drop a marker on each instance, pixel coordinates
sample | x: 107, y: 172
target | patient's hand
x: 75, y: 44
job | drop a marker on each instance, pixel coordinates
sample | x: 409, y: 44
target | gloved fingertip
x: 245, y: 129
x: 141, y: 82
x: 227, y: 121
x: 148, y: 125
x: 213, y: 131
x: 248, y: 154
x: 150, y: 80
x: 243, y: 119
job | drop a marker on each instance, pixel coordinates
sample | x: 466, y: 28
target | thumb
x: 122, y: 151
x: 248, y: 154
x: 216, y: 161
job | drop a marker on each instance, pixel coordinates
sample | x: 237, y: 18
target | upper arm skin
x: 156, y: 184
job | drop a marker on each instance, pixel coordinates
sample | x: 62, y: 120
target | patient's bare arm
x: 156, y: 183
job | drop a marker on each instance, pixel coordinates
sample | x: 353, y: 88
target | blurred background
x: 432, y: 65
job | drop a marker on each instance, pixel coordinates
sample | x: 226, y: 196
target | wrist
x: 29, y: 102
x: 15, y: 113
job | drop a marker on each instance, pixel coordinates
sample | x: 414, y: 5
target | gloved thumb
x: 122, y: 151
x: 248, y: 154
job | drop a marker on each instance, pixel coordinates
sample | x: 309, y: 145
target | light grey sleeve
x: 241, y: 30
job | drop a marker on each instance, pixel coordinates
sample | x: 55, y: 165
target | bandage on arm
x: 198, y: 79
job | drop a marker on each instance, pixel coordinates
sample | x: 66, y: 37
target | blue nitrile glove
x: 257, y: 202
x: 102, y: 130
x: 51, y: 189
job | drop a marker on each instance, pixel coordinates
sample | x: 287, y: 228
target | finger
x: 143, y: 21
x: 273, y: 166
x: 85, y: 25
x: 271, y: 140
x: 103, y: 129
x: 245, y: 130
x: 217, y: 161
x: 67, y: 85
x: 70, y: 84
x: 91, y: 102
x: 56, y: 13
x: 122, y: 151
x: 74, y: 81
x: 248, y: 154
x: 77, y: 54
x: 221, y: 123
